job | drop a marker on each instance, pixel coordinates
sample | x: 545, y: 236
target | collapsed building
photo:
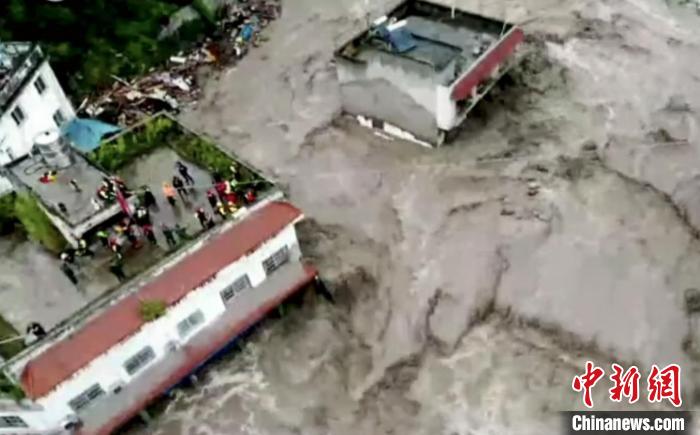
x: 418, y: 71
x: 101, y: 362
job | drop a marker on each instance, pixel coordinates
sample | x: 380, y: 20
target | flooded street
x: 464, y: 305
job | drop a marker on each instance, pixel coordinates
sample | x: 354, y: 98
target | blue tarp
x: 86, y: 134
x: 400, y: 40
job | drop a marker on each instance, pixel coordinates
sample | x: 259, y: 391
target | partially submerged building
x: 418, y: 71
x: 31, y: 101
x: 107, y: 360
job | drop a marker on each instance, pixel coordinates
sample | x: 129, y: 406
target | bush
x: 10, y: 390
x: 121, y: 151
x: 8, y: 217
x: 37, y: 225
x: 151, y: 310
x: 11, y: 348
x: 163, y: 131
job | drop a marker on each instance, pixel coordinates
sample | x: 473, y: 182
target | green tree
x: 90, y: 40
x: 36, y: 224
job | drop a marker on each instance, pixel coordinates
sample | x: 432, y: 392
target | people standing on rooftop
x: 169, y: 193
x: 150, y: 235
x: 213, y: 198
x: 149, y: 199
x: 83, y: 249
x: 70, y: 274
x: 179, y: 185
x: 169, y: 237
x: 184, y: 172
x: 202, y: 217
x: 117, y: 268
x: 103, y: 237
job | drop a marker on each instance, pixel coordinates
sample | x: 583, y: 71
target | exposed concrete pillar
x: 323, y: 290
x: 146, y: 417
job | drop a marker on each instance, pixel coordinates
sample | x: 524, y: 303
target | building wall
x: 33, y: 416
x: 108, y: 369
x: 16, y: 141
x: 391, y: 89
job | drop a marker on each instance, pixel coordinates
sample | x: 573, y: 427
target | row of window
x: 19, y: 116
x: 12, y: 421
x: 185, y: 328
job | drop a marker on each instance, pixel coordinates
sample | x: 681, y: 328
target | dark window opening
x: 276, y: 260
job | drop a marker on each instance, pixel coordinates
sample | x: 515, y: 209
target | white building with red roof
x: 103, y: 368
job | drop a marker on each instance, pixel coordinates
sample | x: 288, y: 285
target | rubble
x: 174, y: 85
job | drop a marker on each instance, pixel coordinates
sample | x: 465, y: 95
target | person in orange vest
x: 169, y: 192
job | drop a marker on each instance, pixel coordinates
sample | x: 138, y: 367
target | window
x: 12, y: 421
x: 140, y: 360
x: 236, y: 287
x: 276, y: 260
x: 58, y: 118
x: 40, y: 85
x: 86, y: 398
x: 186, y: 326
x: 17, y: 115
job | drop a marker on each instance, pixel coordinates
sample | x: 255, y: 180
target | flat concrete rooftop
x: 78, y: 205
x: 32, y: 286
x: 438, y: 37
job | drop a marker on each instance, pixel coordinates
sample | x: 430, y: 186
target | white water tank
x: 52, y: 149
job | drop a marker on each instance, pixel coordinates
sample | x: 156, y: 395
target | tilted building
x: 418, y: 71
x: 31, y: 101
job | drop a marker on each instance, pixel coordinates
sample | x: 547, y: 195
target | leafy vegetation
x: 10, y: 390
x: 36, y: 224
x: 163, y: 131
x: 8, y: 217
x: 10, y: 348
x: 90, y: 40
x: 152, y: 310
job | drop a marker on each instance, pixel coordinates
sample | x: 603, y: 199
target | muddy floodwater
x: 464, y: 305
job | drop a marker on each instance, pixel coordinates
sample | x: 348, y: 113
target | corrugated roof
x: 63, y: 359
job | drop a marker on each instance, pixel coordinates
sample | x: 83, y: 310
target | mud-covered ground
x: 465, y: 306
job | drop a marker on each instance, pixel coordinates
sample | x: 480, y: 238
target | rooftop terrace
x: 32, y: 286
x: 18, y: 60
x: 436, y: 38
x: 78, y: 206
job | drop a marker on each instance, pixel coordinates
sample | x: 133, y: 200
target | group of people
x: 110, y: 188
x: 138, y: 227
x: 222, y: 196
x: 180, y: 184
x: 68, y: 259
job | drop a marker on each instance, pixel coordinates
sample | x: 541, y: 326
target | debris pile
x: 175, y: 85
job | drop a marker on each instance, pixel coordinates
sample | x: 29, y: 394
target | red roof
x: 63, y: 359
x: 495, y: 56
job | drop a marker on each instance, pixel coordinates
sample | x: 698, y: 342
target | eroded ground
x: 463, y: 304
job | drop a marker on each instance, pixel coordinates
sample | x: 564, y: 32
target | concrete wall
x: 108, y: 369
x: 16, y: 141
x: 33, y: 416
x: 391, y: 89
